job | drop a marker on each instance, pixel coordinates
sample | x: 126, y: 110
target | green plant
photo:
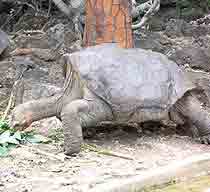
x: 56, y: 135
x: 10, y: 138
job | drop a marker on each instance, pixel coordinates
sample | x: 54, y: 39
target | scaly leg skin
x: 190, y: 107
x: 72, y: 126
x: 78, y: 114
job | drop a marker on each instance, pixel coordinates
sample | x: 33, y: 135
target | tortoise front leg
x: 191, y: 109
x: 78, y: 114
x: 72, y: 125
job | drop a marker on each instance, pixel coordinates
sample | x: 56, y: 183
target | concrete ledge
x: 188, y: 168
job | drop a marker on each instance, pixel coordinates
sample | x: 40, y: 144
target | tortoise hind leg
x: 78, y: 114
x: 190, y: 108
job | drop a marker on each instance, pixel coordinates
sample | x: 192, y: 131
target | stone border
x: 188, y: 168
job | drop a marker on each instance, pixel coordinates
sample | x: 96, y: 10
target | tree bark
x: 108, y: 21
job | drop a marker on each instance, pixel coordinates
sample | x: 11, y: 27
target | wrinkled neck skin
x: 73, y: 88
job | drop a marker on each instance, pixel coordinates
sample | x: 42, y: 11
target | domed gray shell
x: 131, y: 80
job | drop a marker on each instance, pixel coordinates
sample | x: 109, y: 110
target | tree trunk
x: 108, y: 21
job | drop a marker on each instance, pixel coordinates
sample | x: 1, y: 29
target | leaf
x: 10, y: 138
x: 11, y: 146
x: 17, y: 135
x: 4, y: 125
x: 3, y: 151
x: 37, y: 139
x: 6, y: 137
x: 13, y: 140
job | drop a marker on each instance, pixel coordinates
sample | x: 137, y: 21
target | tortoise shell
x: 134, y: 82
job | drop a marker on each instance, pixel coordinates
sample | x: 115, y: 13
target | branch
x: 154, y: 7
x: 136, y: 10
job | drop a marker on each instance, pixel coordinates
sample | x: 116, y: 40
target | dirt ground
x: 25, y: 170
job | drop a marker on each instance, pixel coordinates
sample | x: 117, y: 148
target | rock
x: 37, y: 90
x: 204, y: 20
x: 7, y: 74
x: 4, y: 41
x: 176, y: 28
x: 59, y: 35
x: 62, y: 34
x: 155, y: 41
x: 202, y: 80
x: 47, y: 126
x: 41, y: 79
x: 195, y: 57
x: 193, y: 51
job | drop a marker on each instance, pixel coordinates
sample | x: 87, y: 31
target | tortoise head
x: 20, y: 119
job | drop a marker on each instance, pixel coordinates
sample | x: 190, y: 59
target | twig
x: 43, y: 28
x: 49, y: 155
x: 49, y: 8
x: 12, y: 96
x: 106, y: 152
x: 31, y: 32
x: 4, y: 101
x: 8, y: 106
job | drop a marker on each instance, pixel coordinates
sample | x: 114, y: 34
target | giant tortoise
x: 107, y: 83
